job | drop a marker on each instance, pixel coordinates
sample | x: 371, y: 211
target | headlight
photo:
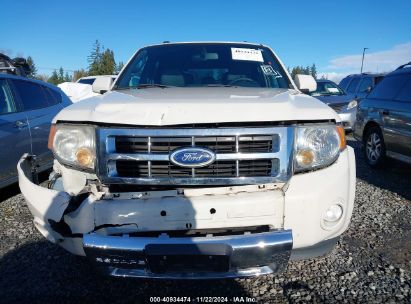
x: 318, y: 146
x: 352, y: 104
x: 74, y: 145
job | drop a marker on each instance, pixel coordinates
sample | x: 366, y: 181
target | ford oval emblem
x: 192, y: 157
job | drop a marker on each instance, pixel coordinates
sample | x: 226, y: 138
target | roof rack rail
x: 403, y: 66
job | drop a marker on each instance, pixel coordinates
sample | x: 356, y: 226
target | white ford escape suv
x: 201, y: 160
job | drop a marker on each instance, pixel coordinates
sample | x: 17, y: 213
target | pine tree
x: 119, y: 67
x: 33, y: 69
x: 94, y: 59
x: 61, y: 75
x: 313, y: 71
x: 107, y: 64
x: 54, y: 78
x: 67, y: 77
x: 299, y: 69
x: 78, y: 74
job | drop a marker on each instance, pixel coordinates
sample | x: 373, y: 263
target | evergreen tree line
x: 100, y: 62
x: 299, y: 69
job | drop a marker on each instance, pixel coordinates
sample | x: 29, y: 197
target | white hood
x: 175, y: 106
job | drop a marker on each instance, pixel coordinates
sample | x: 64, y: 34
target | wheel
x: 374, y: 147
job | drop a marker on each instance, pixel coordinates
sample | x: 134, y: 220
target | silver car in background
x: 27, y: 107
x: 335, y: 97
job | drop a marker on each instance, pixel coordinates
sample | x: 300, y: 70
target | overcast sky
x: 330, y: 34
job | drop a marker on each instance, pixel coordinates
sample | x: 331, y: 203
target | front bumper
x: 294, y: 213
x: 348, y: 119
x: 211, y: 257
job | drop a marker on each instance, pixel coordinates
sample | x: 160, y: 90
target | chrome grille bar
x: 237, y: 163
x: 149, y: 151
x: 280, y: 153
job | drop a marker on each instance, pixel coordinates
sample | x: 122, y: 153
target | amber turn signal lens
x: 341, y: 134
x: 51, y: 136
x: 84, y: 157
x: 305, y: 157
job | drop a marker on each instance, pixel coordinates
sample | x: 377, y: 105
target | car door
x: 391, y: 111
x: 14, y: 134
x: 399, y: 113
x: 40, y: 110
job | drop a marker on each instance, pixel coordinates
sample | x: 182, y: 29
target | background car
x: 335, y: 97
x: 27, y: 107
x: 16, y: 66
x: 357, y: 86
x: 384, y: 119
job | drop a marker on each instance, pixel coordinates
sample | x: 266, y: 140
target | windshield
x: 202, y: 65
x: 327, y: 88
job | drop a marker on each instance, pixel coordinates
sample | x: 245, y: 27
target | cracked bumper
x: 294, y: 214
x: 46, y: 205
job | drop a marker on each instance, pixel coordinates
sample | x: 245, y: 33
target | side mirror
x: 102, y: 84
x: 305, y: 83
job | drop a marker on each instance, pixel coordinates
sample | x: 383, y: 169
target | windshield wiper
x: 220, y: 85
x: 143, y: 86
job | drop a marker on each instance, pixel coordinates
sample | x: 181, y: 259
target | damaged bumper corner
x: 46, y: 205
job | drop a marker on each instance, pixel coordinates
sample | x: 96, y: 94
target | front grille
x: 218, y: 144
x: 242, y: 155
x: 247, y: 168
x: 337, y: 107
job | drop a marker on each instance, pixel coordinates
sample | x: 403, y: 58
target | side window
x: 56, y: 95
x: 353, y: 85
x: 388, y: 88
x: 366, y: 83
x: 7, y: 104
x: 405, y: 92
x: 31, y: 94
x: 53, y: 97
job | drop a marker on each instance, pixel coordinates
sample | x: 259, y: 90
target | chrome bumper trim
x: 249, y: 254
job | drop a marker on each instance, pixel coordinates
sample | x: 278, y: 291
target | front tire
x: 374, y: 147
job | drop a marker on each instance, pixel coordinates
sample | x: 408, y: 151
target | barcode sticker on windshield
x: 268, y: 70
x: 246, y: 54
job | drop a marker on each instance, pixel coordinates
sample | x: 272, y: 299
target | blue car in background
x: 27, y: 107
x: 336, y: 98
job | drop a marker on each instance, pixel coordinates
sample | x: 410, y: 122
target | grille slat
x: 218, y: 169
x: 218, y: 144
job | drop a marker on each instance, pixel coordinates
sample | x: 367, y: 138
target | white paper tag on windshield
x: 246, y: 54
x: 332, y: 90
x: 268, y: 70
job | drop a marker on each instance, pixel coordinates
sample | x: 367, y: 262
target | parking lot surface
x: 371, y: 263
